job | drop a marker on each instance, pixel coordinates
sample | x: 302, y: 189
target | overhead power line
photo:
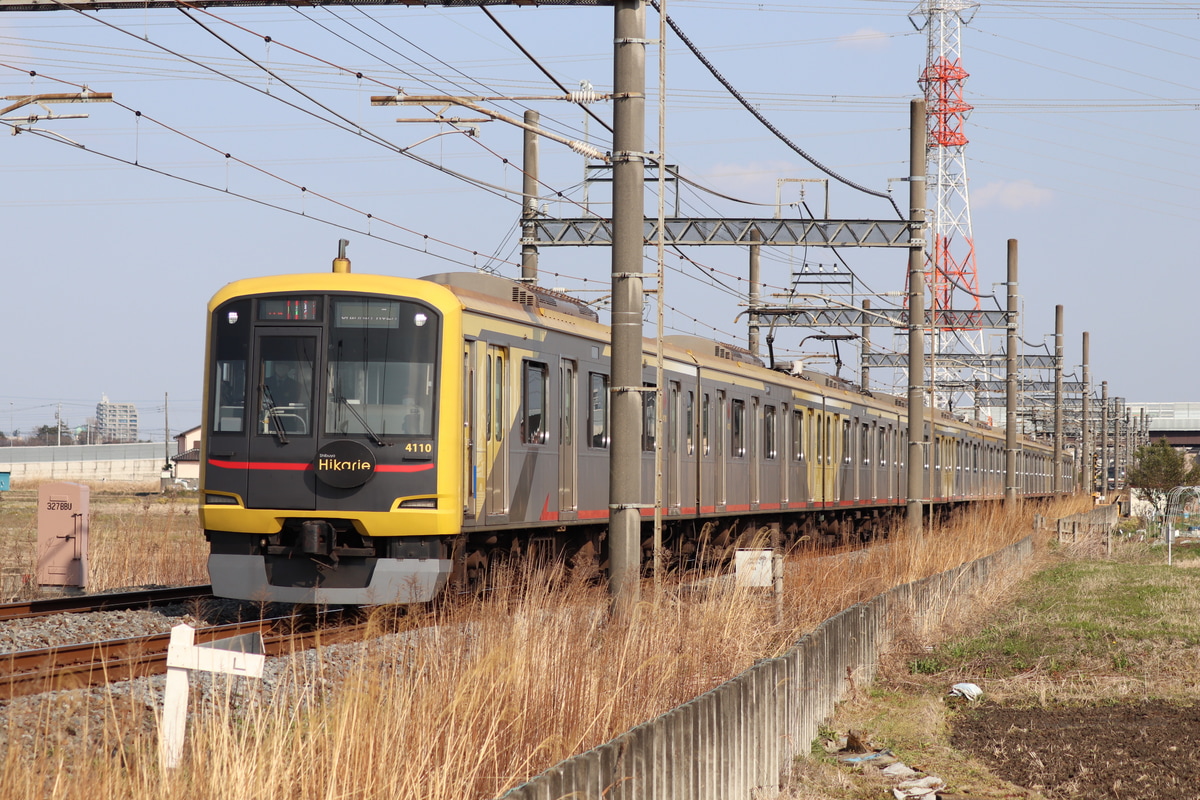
x: 766, y: 122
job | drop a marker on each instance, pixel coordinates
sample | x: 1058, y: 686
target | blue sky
x: 1083, y: 147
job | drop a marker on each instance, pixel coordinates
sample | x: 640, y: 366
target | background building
x: 116, y: 422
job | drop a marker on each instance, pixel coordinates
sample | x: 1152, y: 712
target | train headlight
x: 419, y: 320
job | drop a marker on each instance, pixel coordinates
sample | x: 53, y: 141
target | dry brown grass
x: 135, y: 539
x: 497, y: 692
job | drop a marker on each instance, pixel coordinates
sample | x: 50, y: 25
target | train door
x: 567, y: 452
x: 672, y: 462
x: 820, y: 455
x: 470, y: 431
x: 781, y: 456
x: 283, y: 438
x: 754, y: 432
x: 722, y: 448
x: 798, y: 489
x: 705, y: 489
x: 495, y: 465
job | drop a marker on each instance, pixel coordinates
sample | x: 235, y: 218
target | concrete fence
x: 741, y: 737
x: 1101, y: 519
x: 139, y: 461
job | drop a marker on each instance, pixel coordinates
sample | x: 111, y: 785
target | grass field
x: 1082, y: 661
x: 498, y: 691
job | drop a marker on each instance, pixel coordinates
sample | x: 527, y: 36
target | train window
x: 704, y: 424
x: 797, y: 435
x: 649, y: 417
x: 737, y: 445
x: 598, y: 410
x: 285, y: 384
x: 882, y: 447
x: 770, y: 448
x: 487, y: 404
x: 231, y: 354
x: 498, y: 396
x: 567, y: 418
x: 673, y: 420
x: 846, y: 450
x: 382, y: 368
x: 689, y: 422
x: 864, y: 444
x: 534, y: 389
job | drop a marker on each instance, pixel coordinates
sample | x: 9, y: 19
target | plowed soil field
x: 1146, y: 750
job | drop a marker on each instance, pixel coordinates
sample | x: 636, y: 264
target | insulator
x: 584, y: 96
x: 585, y: 149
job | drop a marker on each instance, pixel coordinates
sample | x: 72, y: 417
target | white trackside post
x: 237, y: 655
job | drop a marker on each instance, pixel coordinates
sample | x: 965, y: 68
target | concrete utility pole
x: 628, y: 215
x: 864, y: 379
x: 916, y: 318
x: 1104, y: 438
x: 1058, y: 399
x: 755, y: 293
x: 529, y: 189
x: 753, y: 329
x: 1088, y: 473
x: 1010, y: 400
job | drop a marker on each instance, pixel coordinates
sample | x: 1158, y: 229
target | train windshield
x: 382, y: 368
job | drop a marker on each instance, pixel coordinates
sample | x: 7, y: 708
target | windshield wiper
x: 275, y: 425
x: 374, y: 437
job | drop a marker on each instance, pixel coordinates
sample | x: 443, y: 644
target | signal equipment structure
x: 951, y: 255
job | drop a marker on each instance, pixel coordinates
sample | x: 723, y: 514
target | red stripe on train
x: 286, y: 466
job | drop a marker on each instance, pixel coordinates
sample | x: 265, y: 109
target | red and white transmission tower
x: 954, y: 283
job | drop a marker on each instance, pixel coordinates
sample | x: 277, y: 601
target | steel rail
x: 97, y: 663
x: 116, y: 601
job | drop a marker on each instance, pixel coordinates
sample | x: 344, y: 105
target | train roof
x: 525, y: 294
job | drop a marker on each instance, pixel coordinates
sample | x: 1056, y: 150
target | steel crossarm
x: 687, y: 231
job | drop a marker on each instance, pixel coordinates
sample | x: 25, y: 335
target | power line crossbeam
x: 819, y: 317
x: 972, y: 360
x: 744, y: 232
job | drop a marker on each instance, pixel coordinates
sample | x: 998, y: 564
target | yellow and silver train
x: 372, y: 439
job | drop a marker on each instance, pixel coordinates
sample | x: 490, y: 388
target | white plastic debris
x: 926, y: 787
x: 967, y: 690
x: 899, y: 770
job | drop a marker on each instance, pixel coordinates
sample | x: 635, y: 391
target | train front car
x: 329, y: 399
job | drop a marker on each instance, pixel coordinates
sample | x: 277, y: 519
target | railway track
x: 116, y: 601
x: 97, y: 663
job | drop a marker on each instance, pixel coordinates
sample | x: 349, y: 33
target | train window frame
x: 535, y: 378
x: 737, y: 428
x: 598, y: 413
x: 847, y: 449
x: 705, y: 425
x: 673, y: 418
x: 231, y: 335
x: 770, y: 434
x: 383, y: 367
x: 798, y: 435
x: 498, y: 384
x: 285, y: 412
x: 649, y: 417
x: 864, y: 444
x: 689, y: 422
